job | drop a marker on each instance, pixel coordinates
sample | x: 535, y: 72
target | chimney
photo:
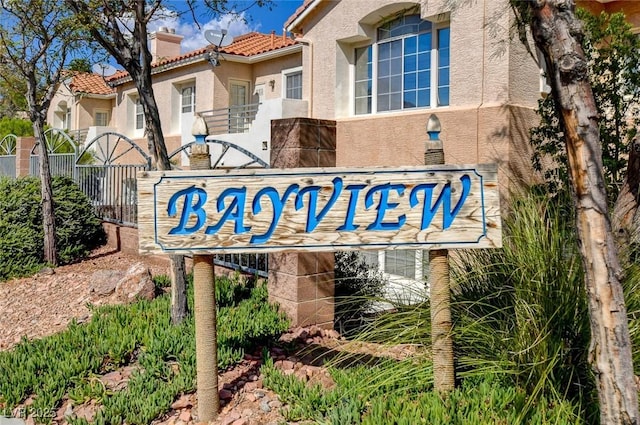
x: 164, y: 43
x: 273, y: 39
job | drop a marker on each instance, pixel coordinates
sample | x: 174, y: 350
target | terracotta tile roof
x: 85, y: 82
x: 255, y: 43
x: 298, y: 12
x: 246, y: 45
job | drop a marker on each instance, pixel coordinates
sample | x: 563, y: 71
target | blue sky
x: 254, y: 19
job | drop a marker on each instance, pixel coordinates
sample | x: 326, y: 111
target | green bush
x: 394, y: 392
x: 357, y: 286
x: 523, y: 308
x: 15, y: 126
x: 78, y: 231
x: 520, y: 311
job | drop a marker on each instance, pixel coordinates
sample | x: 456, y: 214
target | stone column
x: 303, y: 283
x: 23, y: 155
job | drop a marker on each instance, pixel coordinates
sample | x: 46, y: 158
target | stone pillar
x: 24, y: 145
x: 303, y: 283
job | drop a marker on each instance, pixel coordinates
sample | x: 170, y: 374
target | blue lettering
x: 444, y: 198
x: 384, y: 205
x: 351, y: 210
x: 278, y: 204
x: 188, y: 208
x: 234, y: 212
x: 312, y: 219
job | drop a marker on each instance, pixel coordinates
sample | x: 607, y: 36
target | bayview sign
x: 312, y: 209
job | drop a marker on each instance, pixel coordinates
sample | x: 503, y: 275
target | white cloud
x: 235, y: 24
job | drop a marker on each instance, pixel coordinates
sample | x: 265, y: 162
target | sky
x: 254, y: 19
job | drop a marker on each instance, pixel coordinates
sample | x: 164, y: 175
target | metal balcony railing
x: 231, y: 120
x: 79, y: 135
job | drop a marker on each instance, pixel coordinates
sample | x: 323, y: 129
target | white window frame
x: 434, y: 71
x: 138, y: 114
x: 66, y: 118
x: 420, y: 268
x: 285, y: 88
x: 95, y: 117
x: 191, y: 106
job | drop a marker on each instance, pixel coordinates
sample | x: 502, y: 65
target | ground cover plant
x: 138, y: 335
x: 78, y: 230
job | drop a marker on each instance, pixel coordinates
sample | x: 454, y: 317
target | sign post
x: 444, y: 374
x: 204, y: 288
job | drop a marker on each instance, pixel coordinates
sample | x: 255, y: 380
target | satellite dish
x: 218, y: 37
x: 104, y: 69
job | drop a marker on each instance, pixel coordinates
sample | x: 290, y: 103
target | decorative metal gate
x: 8, y: 155
x: 62, y: 152
x: 106, y: 172
x: 231, y: 156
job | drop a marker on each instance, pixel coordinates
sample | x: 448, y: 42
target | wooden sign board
x: 315, y: 209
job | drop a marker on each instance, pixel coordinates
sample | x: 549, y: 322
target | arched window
x: 407, y: 67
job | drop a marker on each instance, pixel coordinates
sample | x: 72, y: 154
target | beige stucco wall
x: 494, y: 87
x: 88, y: 106
x: 83, y: 108
x: 272, y: 70
x: 166, y: 88
x: 62, y: 97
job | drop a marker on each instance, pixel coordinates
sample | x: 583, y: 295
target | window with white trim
x: 66, y: 120
x: 188, y: 99
x: 399, y: 265
x: 407, y: 67
x: 101, y: 118
x: 292, y: 83
x: 139, y: 115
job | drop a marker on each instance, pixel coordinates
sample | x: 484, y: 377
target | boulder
x: 103, y: 282
x: 136, y: 284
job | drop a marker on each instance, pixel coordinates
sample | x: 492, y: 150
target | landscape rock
x: 185, y: 416
x: 136, y: 284
x: 225, y: 394
x: 182, y: 403
x: 103, y: 282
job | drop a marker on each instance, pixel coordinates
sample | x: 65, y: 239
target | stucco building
x: 378, y: 68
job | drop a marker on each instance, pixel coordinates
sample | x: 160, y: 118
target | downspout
x: 482, y: 70
x: 309, y: 44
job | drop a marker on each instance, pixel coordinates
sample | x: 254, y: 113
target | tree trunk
x: 158, y: 150
x: 556, y: 32
x: 46, y: 191
x: 178, y: 289
x: 625, y: 211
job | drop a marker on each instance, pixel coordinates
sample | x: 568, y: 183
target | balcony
x: 249, y: 127
x: 84, y: 135
x: 232, y: 120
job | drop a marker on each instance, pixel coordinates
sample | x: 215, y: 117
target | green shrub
x: 16, y: 126
x: 394, y: 392
x: 78, y: 231
x: 519, y: 311
x: 357, y: 287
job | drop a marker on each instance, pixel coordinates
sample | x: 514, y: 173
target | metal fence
x: 8, y: 166
x: 112, y: 191
x: 232, y: 120
x: 111, y: 186
x: 60, y: 164
x: 256, y: 264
